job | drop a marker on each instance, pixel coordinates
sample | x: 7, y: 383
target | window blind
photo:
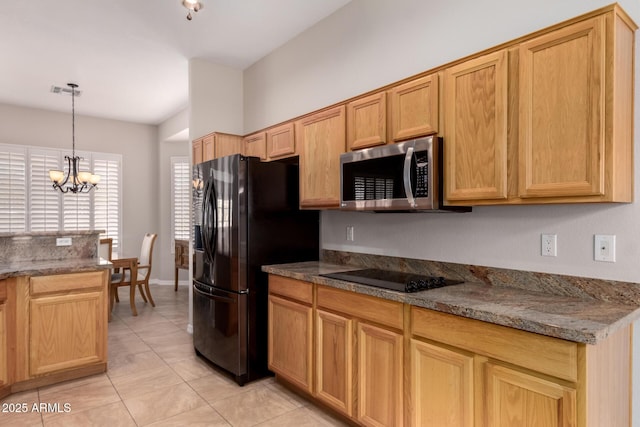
x: 29, y: 203
x: 180, y: 188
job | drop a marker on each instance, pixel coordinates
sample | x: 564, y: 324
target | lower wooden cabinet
x: 380, y: 360
x: 334, y: 361
x: 515, y: 398
x: 382, y: 363
x: 4, y: 349
x: 68, y: 322
x: 441, y: 386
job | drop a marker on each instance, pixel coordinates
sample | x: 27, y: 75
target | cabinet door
x: 256, y: 145
x: 414, y: 108
x: 475, y: 129
x: 562, y: 94
x: 367, y: 121
x: 380, y: 363
x: 334, y: 361
x: 67, y: 331
x: 441, y: 386
x: 517, y: 399
x: 281, y: 141
x: 196, y: 151
x: 4, y: 355
x: 208, y: 148
x: 290, y: 340
x: 321, y: 139
x: 227, y: 145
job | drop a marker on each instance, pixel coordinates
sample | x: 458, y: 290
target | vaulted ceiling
x: 130, y: 57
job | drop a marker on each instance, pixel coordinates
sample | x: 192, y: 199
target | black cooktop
x: 394, y: 280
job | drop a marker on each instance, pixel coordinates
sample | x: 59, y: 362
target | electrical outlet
x: 63, y: 241
x: 604, y: 248
x: 549, y: 245
x: 350, y: 233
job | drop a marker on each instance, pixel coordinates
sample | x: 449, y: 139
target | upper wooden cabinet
x: 320, y: 139
x: 547, y: 121
x: 576, y: 92
x: 255, y: 145
x: 414, y: 108
x: 214, y: 145
x: 475, y: 129
x: 281, y: 141
x: 367, y: 121
x: 226, y: 144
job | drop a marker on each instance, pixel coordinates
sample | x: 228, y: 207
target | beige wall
x: 136, y: 142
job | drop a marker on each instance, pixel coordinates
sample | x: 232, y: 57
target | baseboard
x: 168, y: 282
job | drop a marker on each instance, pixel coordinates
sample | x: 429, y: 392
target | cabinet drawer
x: 66, y: 282
x: 292, y: 288
x: 365, y: 307
x: 540, y: 353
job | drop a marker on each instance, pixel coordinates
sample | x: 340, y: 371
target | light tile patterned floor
x: 155, y: 379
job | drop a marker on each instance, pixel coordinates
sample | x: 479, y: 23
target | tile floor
x: 155, y: 379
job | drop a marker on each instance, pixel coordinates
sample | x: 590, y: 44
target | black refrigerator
x: 245, y: 215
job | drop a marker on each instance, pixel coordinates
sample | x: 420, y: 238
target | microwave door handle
x: 406, y: 177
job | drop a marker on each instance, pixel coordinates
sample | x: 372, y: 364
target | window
x: 180, y: 188
x: 29, y: 203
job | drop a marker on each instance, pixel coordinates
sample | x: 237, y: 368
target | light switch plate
x: 604, y: 248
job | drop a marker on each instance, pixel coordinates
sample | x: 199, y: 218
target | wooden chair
x: 141, y: 277
x: 105, y: 249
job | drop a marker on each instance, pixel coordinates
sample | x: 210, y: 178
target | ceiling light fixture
x: 192, y: 5
x: 75, y: 180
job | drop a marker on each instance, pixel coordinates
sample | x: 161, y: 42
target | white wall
x: 215, y: 99
x: 370, y: 43
x: 136, y: 143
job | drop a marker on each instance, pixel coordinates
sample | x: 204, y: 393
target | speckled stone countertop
x: 41, y: 268
x: 584, y: 320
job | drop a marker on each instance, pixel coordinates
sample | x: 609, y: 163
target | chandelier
x: 192, y: 5
x: 75, y: 180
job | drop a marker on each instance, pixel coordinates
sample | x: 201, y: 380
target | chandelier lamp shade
x: 75, y: 180
x: 192, y: 5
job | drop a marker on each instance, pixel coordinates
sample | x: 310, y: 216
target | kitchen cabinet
x: 226, y: 144
x: 414, y: 108
x: 208, y: 147
x: 4, y: 341
x: 378, y: 357
x: 516, y: 117
x: 68, y: 321
x: 290, y: 330
x: 61, y: 327
x: 367, y: 121
x: 481, y: 374
x: 255, y: 145
x: 475, y: 129
x: 334, y: 361
x: 281, y: 141
x: 196, y: 151
x: 320, y: 139
x: 576, y: 91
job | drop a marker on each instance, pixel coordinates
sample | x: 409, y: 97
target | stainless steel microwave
x: 406, y: 176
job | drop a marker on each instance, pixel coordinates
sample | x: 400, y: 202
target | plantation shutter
x: 13, y: 189
x: 180, y: 188
x: 44, y: 202
x: 107, y: 197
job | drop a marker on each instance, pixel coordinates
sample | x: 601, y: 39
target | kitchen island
x: 53, y: 308
x: 550, y: 350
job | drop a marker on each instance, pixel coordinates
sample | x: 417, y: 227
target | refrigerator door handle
x: 210, y: 217
x: 214, y: 297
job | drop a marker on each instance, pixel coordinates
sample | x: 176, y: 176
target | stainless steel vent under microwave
x: 396, y: 177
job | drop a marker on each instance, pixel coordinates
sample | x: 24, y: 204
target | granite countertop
x: 567, y: 317
x: 40, y: 268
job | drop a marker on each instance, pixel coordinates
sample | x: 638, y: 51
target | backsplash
x: 555, y: 284
x: 34, y: 246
